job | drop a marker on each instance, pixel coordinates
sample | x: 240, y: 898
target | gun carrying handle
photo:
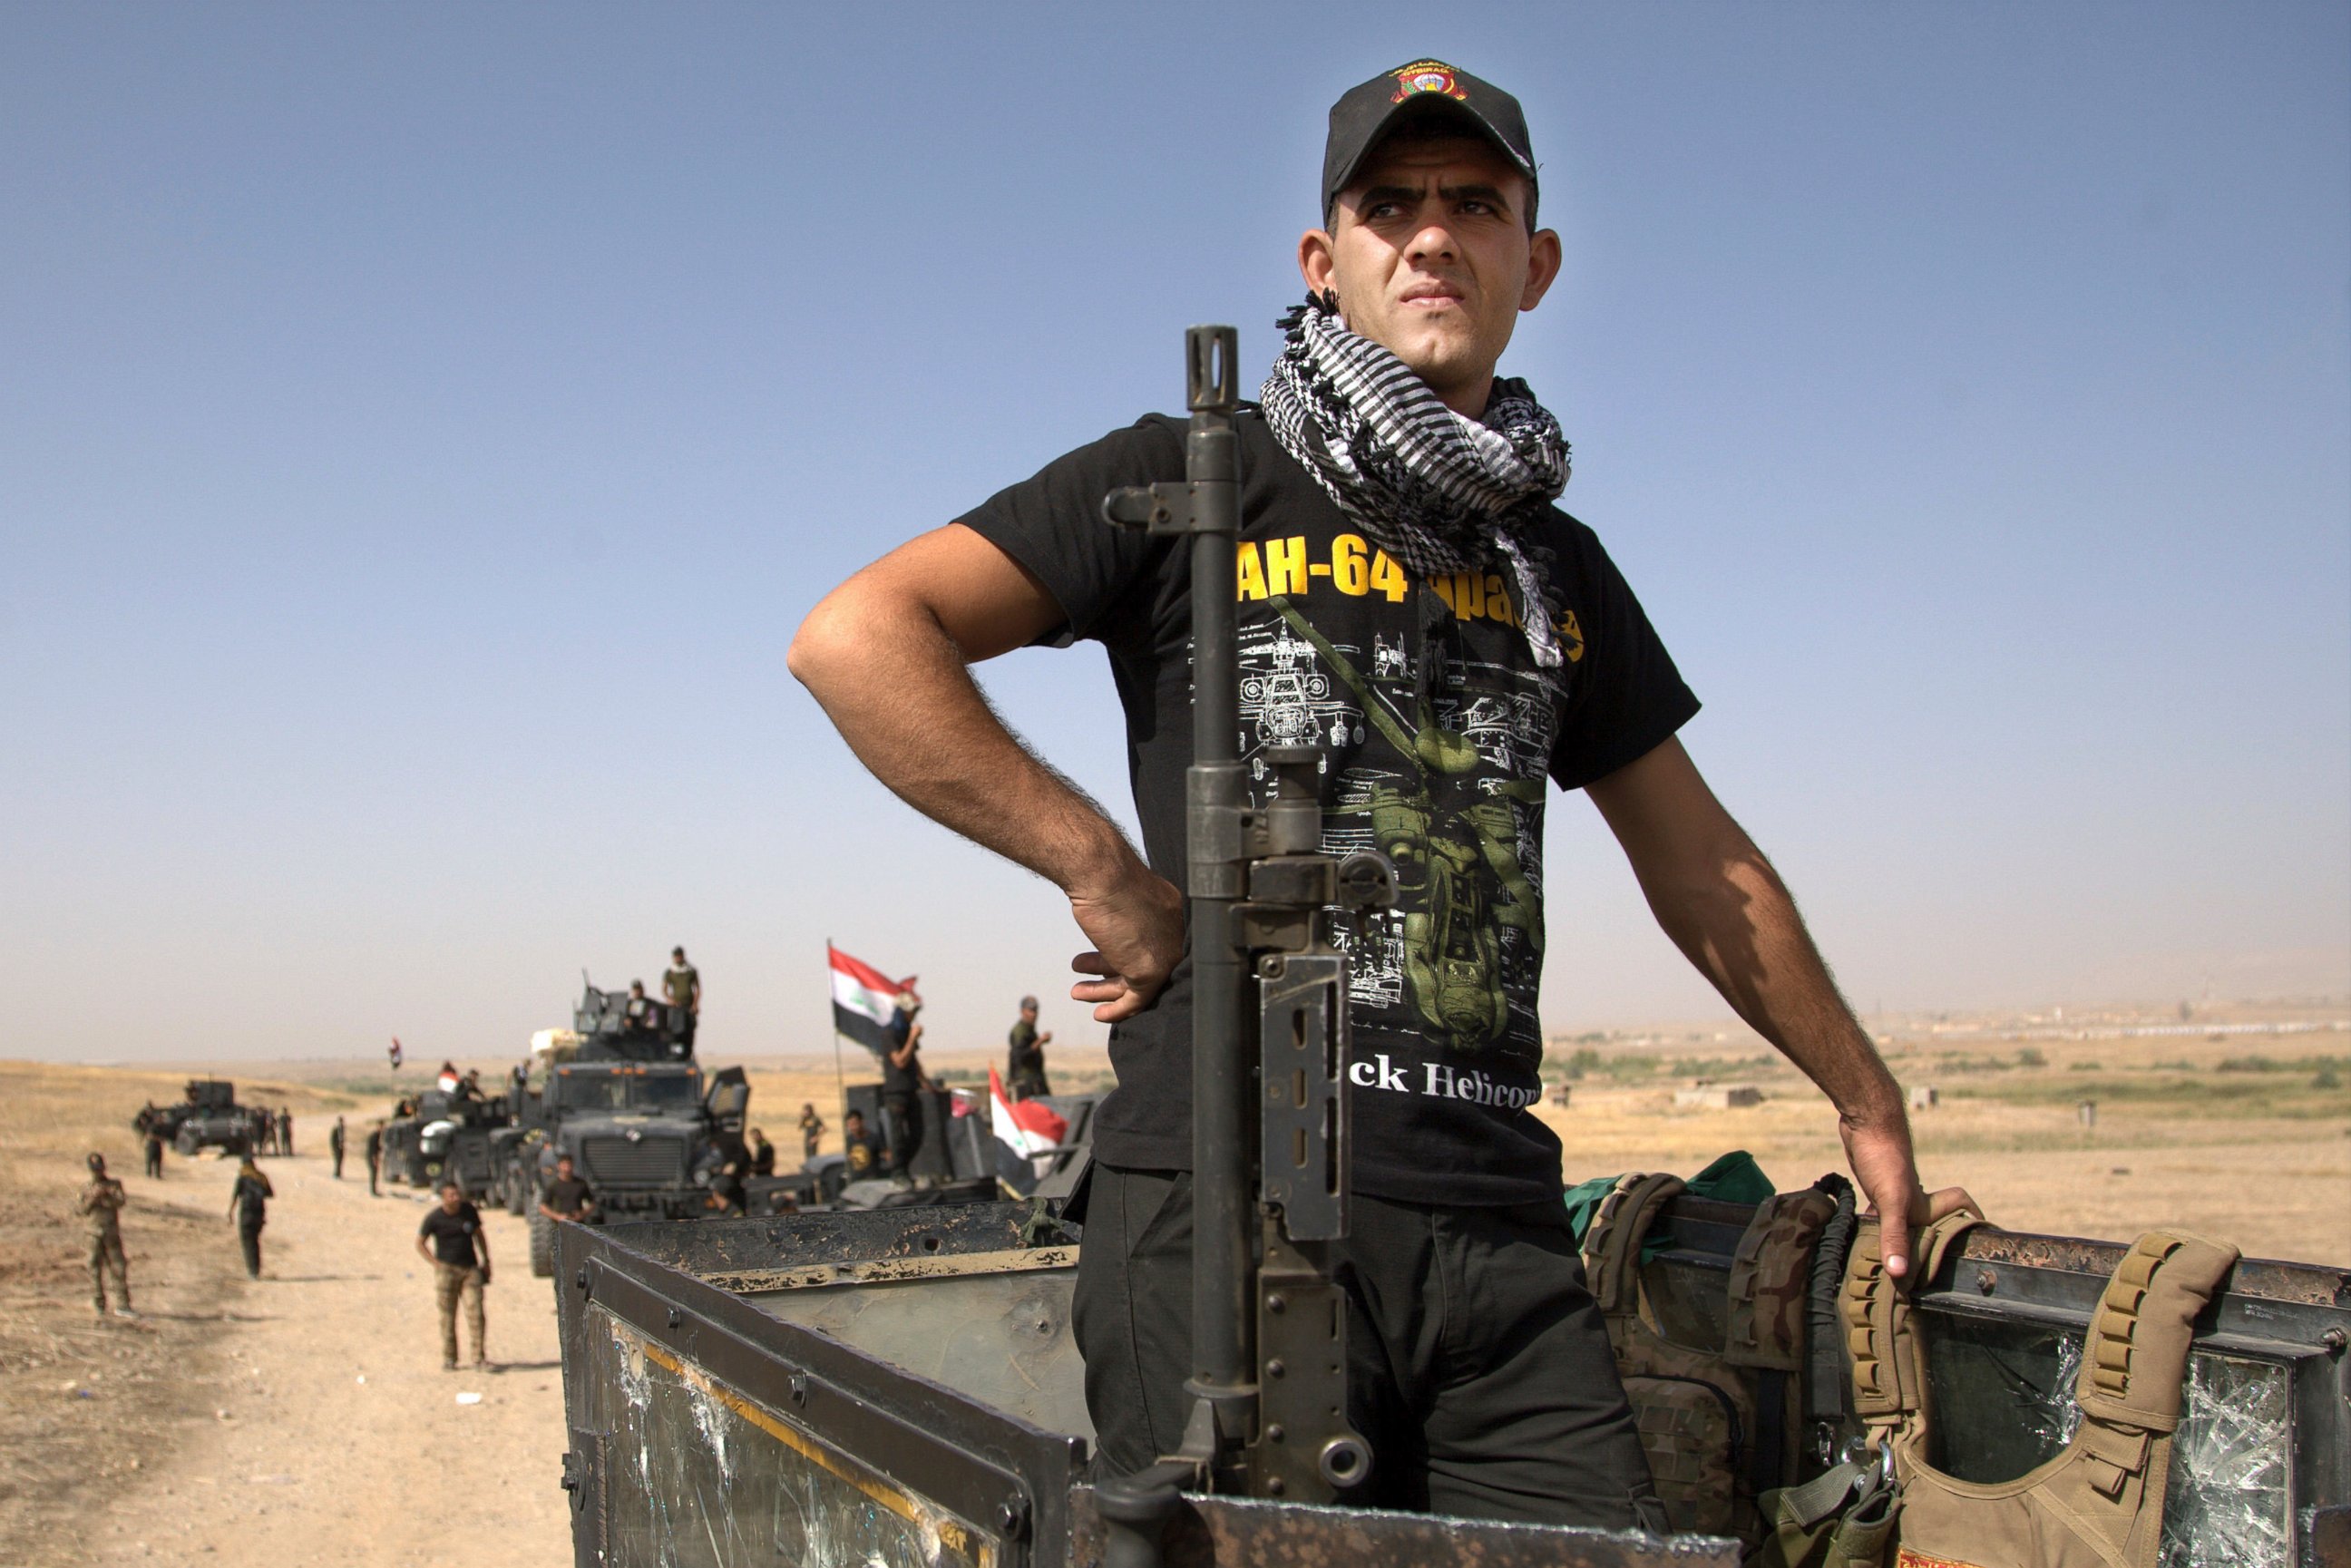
x: 1212, y: 375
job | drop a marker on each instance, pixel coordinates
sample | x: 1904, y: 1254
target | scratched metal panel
x: 701, y: 1476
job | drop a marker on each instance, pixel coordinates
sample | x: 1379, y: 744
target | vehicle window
x: 685, y: 1089
x: 599, y: 1092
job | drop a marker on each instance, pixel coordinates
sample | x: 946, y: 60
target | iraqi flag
x: 1026, y: 1133
x: 863, y: 1000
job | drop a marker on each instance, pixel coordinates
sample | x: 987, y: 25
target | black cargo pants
x: 1479, y: 1368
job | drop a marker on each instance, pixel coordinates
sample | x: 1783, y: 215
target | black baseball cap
x: 1370, y: 111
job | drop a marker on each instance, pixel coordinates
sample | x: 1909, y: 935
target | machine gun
x: 1270, y: 1042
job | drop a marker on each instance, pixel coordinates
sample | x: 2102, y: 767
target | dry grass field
x: 291, y: 1420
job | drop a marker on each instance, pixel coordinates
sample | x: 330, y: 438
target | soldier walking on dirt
x: 335, y: 1147
x: 101, y: 1205
x: 375, y: 1158
x: 460, y: 1256
x: 154, y: 1153
x: 248, y: 1203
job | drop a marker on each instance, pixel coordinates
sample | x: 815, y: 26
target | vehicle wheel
x: 542, y: 1247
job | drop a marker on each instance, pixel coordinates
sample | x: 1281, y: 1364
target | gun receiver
x: 1268, y: 1042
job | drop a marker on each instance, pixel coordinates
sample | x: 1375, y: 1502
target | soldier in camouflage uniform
x: 102, y: 1204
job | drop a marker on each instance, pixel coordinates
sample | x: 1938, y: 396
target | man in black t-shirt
x: 903, y: 1079
x: 460, y: 1255
x: 566, y: 1198
x: 861, y: 1154
x: 1411, y: 603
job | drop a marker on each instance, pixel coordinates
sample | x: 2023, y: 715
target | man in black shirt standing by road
x: 567, y: 1196
x: 335, y: 1140
x: 375, y: 1158
x: 460, y: 1256
x: 248, y: 1204
x: 1411, y: 603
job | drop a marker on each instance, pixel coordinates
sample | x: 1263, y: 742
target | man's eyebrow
x: 1372, y: 195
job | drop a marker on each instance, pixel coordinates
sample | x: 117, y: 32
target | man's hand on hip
x: 1136, y: 927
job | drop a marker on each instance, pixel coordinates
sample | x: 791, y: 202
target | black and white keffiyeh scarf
x: 1440, y: 492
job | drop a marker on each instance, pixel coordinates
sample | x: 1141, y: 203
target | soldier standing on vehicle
x: 682, y: 984
x: 375, y: 1158
x: 1024, y: 1066
x: 763, y: 1155
x: 154, y: 1144
x: 903, y: 1080
x: 248, y: 1206
x: 101, y: 1207
x: 568, y: 1197
x: 335, y: 1147
x: 812, y: 1132
x: 639, y: 1010
x: 1397, y: 532
x: 460, y: 1256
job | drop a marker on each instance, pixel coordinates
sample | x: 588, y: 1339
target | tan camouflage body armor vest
x: 1714, y: 1421
x: 2098, y: 1503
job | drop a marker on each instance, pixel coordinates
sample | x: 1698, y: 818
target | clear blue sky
x: 420, y: 429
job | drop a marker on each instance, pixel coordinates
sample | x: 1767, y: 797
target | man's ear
x: 1543, y: 268
x: 1315, y: 262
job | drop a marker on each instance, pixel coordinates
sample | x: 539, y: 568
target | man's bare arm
x: 885, y: 654
x: 1727, y: 911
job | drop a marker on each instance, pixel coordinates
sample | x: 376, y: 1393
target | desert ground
x: 304, y: 1417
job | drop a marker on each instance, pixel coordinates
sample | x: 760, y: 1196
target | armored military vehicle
x: 200, y: 1095
x: 633, y: 1111
x: 209, y: 1118
x: 445, y: 1134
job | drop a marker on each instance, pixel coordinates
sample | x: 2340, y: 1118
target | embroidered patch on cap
x: 1425, y: 76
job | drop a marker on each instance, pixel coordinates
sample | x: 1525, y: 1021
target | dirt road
x: 311, y: 1422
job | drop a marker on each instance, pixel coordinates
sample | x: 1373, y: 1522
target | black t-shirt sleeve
x: 1052, y: 523
x: 1624, y: 696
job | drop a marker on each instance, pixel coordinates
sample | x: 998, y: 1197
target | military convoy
x: 623, y: 1097
x: 619, y: 1092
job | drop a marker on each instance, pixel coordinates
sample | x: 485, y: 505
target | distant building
x: 1716, y: 1097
